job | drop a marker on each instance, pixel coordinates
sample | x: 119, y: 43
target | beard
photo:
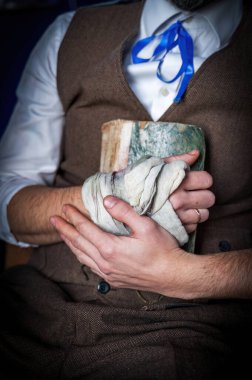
x: 191, y: 5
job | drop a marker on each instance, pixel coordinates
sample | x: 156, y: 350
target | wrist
x: 75, y: 198
x: 187, y: 279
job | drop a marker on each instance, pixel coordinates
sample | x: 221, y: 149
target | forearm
x: 30, y: 209
x: 221, y: 275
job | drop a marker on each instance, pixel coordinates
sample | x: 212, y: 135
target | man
x: 187, y: 316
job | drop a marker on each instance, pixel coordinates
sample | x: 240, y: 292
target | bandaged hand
x: 146, y: 186
x: 145, y: 258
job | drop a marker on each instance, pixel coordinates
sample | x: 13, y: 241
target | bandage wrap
x: 146, y: 186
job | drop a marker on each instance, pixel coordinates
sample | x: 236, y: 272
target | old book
x: 126, y: 141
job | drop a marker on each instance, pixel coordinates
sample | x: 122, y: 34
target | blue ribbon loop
x: 175, y: 35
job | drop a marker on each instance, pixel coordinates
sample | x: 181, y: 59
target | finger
x: 69, y: 233
x: 82, y: 258
x: 190, y: 228
x: 85, y: 226
x: 197, y: 180
x: 186, y: 200
x: 124, y: 213
x: 190, y: 157
x: 191, y: 216
x: 87, y: 252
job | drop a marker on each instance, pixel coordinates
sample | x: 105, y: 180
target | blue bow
x: 175, y: 35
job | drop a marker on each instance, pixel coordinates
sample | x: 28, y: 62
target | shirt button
x: 103, y: 287
x: 224, y: 246
x: 164, y: 91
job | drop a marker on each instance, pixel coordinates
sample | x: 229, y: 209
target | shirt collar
x: 223, y: 16
x: 156, y: 13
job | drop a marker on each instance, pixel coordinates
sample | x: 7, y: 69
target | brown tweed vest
x: 94, y: 90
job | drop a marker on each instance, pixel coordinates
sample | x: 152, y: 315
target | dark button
x: 224, y: 246
x: 103, y: 287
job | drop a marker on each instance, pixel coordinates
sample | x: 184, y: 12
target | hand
x: 150, y: 258
x: 146, y: 260
x: 193, y: 193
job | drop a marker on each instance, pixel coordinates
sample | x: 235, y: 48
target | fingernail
x: 109, y: 202
x: 193, y: 152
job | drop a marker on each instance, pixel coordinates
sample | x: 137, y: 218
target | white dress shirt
x: 210, y: 28
x: 30, y: 146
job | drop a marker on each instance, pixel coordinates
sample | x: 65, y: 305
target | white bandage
x: 146, y: 186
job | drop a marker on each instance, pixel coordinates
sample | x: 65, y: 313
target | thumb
x: 190, y: 157
x: 123, y: 212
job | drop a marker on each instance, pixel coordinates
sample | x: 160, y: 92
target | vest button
x: 224, y: 246
x: 103, y: 287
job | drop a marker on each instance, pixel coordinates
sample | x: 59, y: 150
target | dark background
x: 22, y: 22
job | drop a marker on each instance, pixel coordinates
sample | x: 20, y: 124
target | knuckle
x: 122, y: 212
x: 107, y: 251
x: 105, y: 268
x: 125, y: 210
x: 147, y: 226
x: 77, y: 242
x: 79, y: 226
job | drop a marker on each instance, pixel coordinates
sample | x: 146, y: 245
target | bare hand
x: 193, y: 193
x: 146, y: 260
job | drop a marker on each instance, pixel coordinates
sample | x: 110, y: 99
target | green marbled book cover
x: 126, y: 141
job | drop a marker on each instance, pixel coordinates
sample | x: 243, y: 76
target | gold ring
x: 199, y: 215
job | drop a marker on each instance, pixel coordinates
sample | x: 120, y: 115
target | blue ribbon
x: 175, y: 35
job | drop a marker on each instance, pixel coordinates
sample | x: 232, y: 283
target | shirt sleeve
x: 30, y: 146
